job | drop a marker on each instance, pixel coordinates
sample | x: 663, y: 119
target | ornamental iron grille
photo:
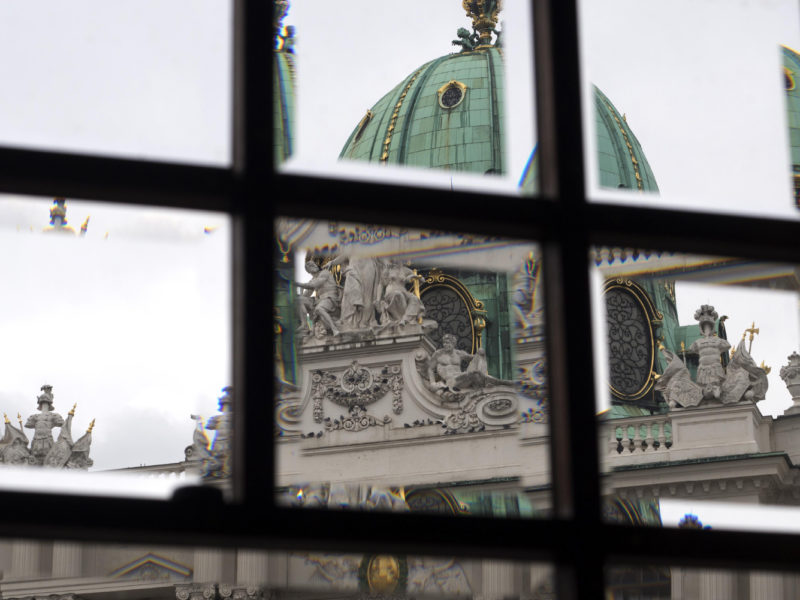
x: 433, y: 501
x: 448, y: 302
x: 631, y: 318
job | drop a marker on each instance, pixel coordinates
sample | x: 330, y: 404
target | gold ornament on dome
x: 484, y: 17
x: 383, y: 574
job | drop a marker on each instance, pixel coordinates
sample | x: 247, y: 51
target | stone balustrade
x: 639, y: 434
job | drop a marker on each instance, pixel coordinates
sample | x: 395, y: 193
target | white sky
x: 129, y: 77
x: 701, y: 84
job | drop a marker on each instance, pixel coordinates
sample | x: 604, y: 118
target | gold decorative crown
x: 484, y: 17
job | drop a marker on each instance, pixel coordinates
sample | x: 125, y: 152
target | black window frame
x: 562, y: 219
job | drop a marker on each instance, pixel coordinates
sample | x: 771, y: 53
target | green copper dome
x: 791, y: 72
x: 283, y: 74
x: 447, y: 114
x: 620, y: 158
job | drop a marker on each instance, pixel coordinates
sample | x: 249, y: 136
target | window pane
x: 41, y: 568
x: 693, y: 113
x: 116, y: 328
x: 664, y: 582
x: 697, y: 397
x: 450, y: 97
x: 132, y: 78
x: 411, y: 371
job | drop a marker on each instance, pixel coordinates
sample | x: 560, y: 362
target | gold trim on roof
x: 790, y: 83
x: 639, y: 183
x: 390, y: 130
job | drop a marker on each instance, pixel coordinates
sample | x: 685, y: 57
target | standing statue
x: 362, y: 291
x: 325, y: 305
x: 526, y: 299
x: 444, y: 367
x: 43, y: 424
x: 400, y: 306
x: 742, y: 380
x: 218, y: 464
x: 709, y: 348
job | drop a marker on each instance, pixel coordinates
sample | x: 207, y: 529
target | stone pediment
x: 152, y: 567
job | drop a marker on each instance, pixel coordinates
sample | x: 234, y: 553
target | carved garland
x: 357, y: 386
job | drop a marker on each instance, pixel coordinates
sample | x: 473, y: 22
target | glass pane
x: 455, y: 104
x: 411, y: 371
x: 41, y: 568
x: 698, y: 400
x: 666, y: 582
x: 131, y: 78
x: 116, y: 328
x: 693, y: 113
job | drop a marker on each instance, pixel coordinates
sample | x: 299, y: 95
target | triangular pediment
x: 152, y: 567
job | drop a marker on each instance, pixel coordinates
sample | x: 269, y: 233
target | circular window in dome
x: 788, y: 79
x: 452, y: 94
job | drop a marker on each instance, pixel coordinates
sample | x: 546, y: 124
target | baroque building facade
x: 411, y: 376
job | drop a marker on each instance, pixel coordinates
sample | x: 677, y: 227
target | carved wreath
x: 357, y: 386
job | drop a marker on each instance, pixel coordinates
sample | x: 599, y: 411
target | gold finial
x: 733, y: 351
x: 484, y: 18
x: 72, y: 410
x: 660, y: 345
x: 5, y: 417
x: 683, y: 347
x: 752, y: 331
x: 91, y: 426
x: 765, y: 367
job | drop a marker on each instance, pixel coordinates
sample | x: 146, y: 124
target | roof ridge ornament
x: 484, y: 20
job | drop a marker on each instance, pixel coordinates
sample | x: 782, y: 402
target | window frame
x: 562, y: 219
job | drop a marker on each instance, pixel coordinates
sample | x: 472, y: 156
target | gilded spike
x: 91, y: 426
x: 5, y: 417
x: 72, y: 410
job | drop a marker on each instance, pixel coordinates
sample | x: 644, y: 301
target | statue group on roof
x: 742, y: 379
x: 370, y: 296
x: 44, y: 450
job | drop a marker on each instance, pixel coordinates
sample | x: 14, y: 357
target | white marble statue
x: 444, y: 367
